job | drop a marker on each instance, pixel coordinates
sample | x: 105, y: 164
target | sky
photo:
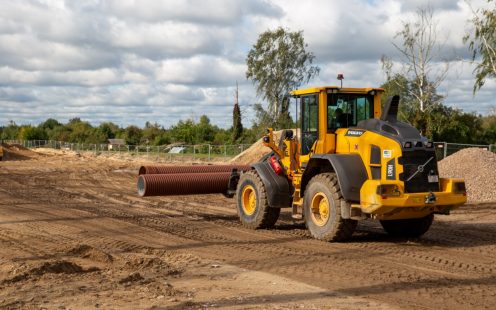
x: 130, y: 62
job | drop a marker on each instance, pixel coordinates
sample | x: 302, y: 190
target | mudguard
x: 349, y: 169
x: 276, y: 186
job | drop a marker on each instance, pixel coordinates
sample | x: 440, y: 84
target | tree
x: 151, y: 132
x: 277, y: 64
x: 183, y: 131
x: 80, y: 131
x: 204, y: 131
x: 32, y: 133
x: 50, y: 124
x: 10, y: 132
x: 132, y: 135
x: 489, y: 128
x: 237, y: 127
x: 482, y: 43
x: 398, y: 85
x: 420, y: 51
x: 108, y: 129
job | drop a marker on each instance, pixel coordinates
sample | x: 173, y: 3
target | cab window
x: 309, y: 122
x: 346, y: 110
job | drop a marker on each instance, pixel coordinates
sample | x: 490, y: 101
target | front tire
x: 322, y: 209
x: 409, y: 228
x: 251, y: 203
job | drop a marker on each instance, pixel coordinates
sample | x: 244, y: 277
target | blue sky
x: 135, y: 61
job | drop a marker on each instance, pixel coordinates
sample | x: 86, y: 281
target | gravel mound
x: 478, y: 167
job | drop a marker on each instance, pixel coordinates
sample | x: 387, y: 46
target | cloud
x: 135, y: 61
x: 207, y: 12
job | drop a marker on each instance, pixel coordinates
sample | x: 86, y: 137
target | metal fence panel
x: 204, y: 152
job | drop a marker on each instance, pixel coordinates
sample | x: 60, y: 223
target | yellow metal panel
x: 377, y: 105
x: 407, y: 205
x: 447, y: 184
x: 306, y: 91
x: 362, y: 146
x: 342, y: 144
x: 320, y: 145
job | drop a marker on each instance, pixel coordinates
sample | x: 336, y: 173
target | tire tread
x: 268, y: 216
x: 344, y: 228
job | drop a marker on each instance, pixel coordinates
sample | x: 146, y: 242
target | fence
x: 178, y: 152
x: 444, y: 149
x: 199, y: 151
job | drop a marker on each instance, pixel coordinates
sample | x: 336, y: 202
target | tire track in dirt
x: 308, y: 272
x: 390, y: 270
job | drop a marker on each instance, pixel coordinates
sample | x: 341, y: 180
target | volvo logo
x: 420, y: 169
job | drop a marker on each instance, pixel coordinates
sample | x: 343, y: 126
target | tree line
x: 443, y: 124
x: 279, y: 62
x: 80, y: 131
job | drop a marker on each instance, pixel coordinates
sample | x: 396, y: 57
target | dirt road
x: 74, y: 234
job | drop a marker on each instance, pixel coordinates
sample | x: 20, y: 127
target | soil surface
x: 75, y: 235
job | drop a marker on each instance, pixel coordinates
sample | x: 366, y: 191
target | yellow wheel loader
x: 348, y: 161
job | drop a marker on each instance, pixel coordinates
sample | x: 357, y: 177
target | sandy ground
x: 74, y: 235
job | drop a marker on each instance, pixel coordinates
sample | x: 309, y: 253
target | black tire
x: 331, y: 227
x: 409, y: 228
x: 260, y: 214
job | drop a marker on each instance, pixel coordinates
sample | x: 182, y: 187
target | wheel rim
x: 320, y: 209
x: 249, y: 200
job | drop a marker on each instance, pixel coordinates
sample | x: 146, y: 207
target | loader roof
x: 337, y: 89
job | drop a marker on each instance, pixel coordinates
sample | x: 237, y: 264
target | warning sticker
x: 387, y: 153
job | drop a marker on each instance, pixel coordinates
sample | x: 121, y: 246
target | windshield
x: 346, y: 110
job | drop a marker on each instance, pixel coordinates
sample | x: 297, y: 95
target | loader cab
x: 325, y: 110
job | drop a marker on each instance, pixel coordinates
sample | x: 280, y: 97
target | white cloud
x: 135, y: 61
x: 200, y: 70
x: 209, y: 12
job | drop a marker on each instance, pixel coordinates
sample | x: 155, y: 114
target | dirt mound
x: 58, y: 267
x: 153, y: 263
x: 256, y: 151
x: 16, y: 152
x: 478, y: 168
x: 88, y: 252
x: 133, y: 277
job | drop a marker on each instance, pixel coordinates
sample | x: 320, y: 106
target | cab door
x: 309, y: 122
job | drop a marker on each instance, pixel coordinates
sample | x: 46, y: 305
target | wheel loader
x: 349, y: 160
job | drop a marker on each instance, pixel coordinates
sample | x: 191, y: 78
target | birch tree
x: 482, y: 43
x: 421, y: 61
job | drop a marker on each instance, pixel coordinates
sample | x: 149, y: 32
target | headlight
x: 459, y: 188
x: 388, y: 190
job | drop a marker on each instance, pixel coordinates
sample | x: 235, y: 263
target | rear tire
x: 410, y: 228
x: 251, y: 203
x: 322, y: 209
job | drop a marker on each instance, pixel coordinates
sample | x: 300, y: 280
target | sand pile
x: 16, y: 152
x: 256, y: 151
x: 478, y: 168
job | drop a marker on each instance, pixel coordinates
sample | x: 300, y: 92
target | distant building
x: 115, y: 144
